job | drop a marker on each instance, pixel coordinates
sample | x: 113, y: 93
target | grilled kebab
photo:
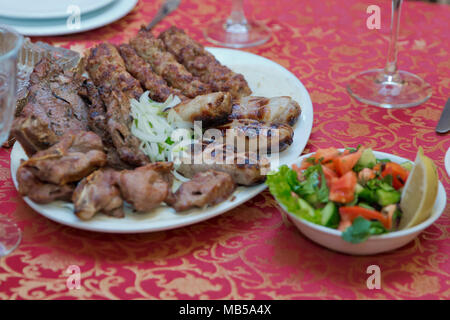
x: 153, y: 51
x: 203, y: 64
x: 116, y: 87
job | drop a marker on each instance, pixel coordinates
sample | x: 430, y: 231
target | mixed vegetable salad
x: 351, y: 191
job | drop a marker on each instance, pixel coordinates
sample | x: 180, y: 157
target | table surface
x: 253, y: 251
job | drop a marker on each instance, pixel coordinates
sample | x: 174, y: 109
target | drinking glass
x: 390, y: 87
x: 237, y: 31
x: 10, y: 44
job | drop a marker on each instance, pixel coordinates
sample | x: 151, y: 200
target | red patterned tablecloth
x: 253, y: 252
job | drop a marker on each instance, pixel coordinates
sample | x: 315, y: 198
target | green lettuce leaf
x: 285, y: 187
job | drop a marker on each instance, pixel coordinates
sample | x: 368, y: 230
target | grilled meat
x: 106, y: 189
x: 206, y: 188
x: 71, y: 159
x: 146, y: 187
x: 41, y: 192
x: 96, y: 108
x: 98, y: 193
x: 245, y: 168
x: 52, y: 108
x: 270, y: 110
x: 141, y: 70
x: 211, y: 109
x: 252, y: 135
x: 97, y: 122
x: 116, y: 87
x: 33, y: 133
x: 202, y: 64
x: 163, y: 63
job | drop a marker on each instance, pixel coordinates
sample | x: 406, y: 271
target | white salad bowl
x: 332, y: 238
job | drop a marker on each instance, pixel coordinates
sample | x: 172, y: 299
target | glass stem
x: 391, y: 64
x: 237, y: 15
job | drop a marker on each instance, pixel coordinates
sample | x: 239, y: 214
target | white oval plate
x: 331, y: 238
x: 89, y: 21
x: 266, y: 78
x: 46, y: 9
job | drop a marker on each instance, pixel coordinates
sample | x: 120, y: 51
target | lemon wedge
x: 419, y: 192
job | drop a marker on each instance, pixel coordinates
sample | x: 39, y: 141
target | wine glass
x: 390, y: 87
x: 237, y: 31
x: 10, y: 44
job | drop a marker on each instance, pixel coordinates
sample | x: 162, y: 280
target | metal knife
x: 166, y: 9
x: 444, y: 122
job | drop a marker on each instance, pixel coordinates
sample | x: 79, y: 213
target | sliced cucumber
x: 312, y: 199
x: 385, y: 198
x: 306, y: 207
x: 367, y: 159
x: 330, y: 215
x: 359, y: 188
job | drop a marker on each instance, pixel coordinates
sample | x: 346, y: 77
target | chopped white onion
x: 153, y: 123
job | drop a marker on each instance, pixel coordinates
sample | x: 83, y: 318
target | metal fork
x: 165, y: 10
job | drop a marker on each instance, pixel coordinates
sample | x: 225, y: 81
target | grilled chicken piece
x: 51, y: 108
x: 255, y: 136
x: 163, y: 63
x: 270, y: 110
x: 98, y: 193
x: 245, y: 168
x: 202, y: 64
x: 41, y: 192
x: 206, y: 188
x: 33, y: 133
x: 141, y: 70
x: 146, y: 187
x: 211, y: 109
x: 71, y: 159
x: 116, y: 87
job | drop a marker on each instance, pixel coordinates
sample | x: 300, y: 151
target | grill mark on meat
x: 51, y: 108
x: 116, y: 88
x: 206, y: 188
x: 203, y: 64
x: 71, y: 159
x: 270, y: 110
x: 211, y: 109
x: 163, y: 63
x: 142, y: 71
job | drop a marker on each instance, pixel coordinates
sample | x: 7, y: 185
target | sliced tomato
x: 326, y: 155
x: 330, y: 165
x: 399, y: 174
x: 342, y: 189
x: 351, y: 213
x: 345, y: 163
x: 344, y: 224
x: 329, y: 174
x: 377, y: 167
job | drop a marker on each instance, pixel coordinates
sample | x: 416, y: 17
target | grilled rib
x: 52, y: 108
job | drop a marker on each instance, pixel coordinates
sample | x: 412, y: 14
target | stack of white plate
x: 58, y: 17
